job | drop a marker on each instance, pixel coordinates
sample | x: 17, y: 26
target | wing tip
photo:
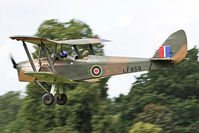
x: 100, y: 39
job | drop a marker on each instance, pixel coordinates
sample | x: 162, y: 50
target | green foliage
x: 10, y: 104
x: 15, y: 126
x: 54, y: 30
x: 35, y: 113
x: 164, y: 100
x: 74, y: 29
x: 87, y: 107
x: 177, y: 90
x: 64, y: 129
x: 158, y: 115
x: 185, y: 112
x: 141, y: 127
x: 85, y: 112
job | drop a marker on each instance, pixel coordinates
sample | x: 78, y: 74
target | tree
x: 15, y: 126
x: 141, y: 127
x: 157, y: 115
x: 10, y: 104
x: 176, y: 89
x: 38, y: 117
x: 87, y: 105
x: 74, y: 29
x: 86, y: 111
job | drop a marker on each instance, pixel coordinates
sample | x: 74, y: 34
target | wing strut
x: 91, y: 49
x: 39, y: 55
x: 41, y: 86
x: 29, y: 57
x: 55, y: 53
x: 75, y: 48
x: 47, y: 56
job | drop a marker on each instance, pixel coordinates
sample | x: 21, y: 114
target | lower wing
x: 48, y: 77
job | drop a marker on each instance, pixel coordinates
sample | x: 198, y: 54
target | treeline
x: 161, y: 101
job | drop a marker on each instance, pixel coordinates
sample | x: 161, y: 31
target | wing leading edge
x: 38, y: 40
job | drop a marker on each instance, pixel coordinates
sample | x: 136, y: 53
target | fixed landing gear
x: 61, y: 99
x: 56, y: 89
x: 48, y: 99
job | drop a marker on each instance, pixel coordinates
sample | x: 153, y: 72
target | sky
x: 136, y: 28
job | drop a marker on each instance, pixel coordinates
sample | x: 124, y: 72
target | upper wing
x: 38, y: 40
x: 34, y: 40
x: 48, y: 77
x: 83, y: 41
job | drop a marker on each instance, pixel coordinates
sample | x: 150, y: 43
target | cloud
x: 125, y: 21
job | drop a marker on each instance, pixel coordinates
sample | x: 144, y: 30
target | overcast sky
x: 136, y: 27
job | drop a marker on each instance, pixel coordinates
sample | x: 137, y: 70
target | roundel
x: 96, y: 71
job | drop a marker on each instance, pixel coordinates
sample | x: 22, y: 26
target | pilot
x: 53, y: 56
x: 64, y: 55
x: 85, y: 54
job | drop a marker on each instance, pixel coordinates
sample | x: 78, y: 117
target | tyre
x: 61, y: 99
x: 47, y: 99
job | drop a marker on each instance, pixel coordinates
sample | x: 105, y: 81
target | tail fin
x: 178, y: 47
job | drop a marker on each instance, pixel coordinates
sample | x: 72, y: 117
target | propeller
x: 13, y: 62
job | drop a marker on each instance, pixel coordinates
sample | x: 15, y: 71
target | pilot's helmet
x: 64, y: 54
x: 85, y: 53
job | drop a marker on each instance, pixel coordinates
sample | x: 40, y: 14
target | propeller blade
x: 13, y: 62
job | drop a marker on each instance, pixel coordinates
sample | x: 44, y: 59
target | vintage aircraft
x: 60, y: 69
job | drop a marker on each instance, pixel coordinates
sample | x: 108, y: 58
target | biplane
x: 60, y: 69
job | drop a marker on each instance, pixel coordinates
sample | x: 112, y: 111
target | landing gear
x: 47, y: 99
x: 61, y: 99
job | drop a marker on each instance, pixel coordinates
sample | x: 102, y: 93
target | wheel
x: 61, y: 99
x: 48, y: 99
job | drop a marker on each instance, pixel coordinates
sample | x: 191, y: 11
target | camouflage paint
x: 178, y: 43
x: 82, y: 69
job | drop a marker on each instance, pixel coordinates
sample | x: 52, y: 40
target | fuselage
x: 94, y: 67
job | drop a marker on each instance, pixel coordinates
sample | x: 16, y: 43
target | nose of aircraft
x: 24, y: 67
x: 21, y: 68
